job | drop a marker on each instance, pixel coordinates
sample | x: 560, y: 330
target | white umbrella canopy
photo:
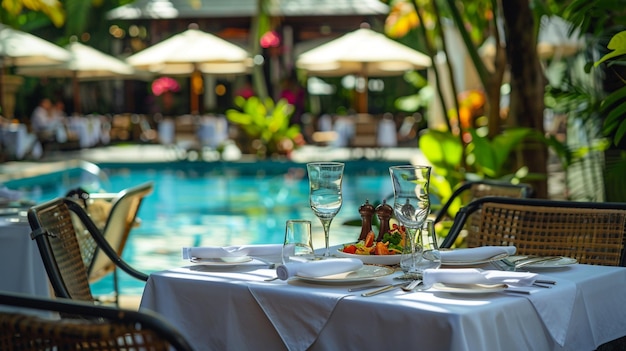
x: 19, y: 48
x: 365, y: 53
x: 192, y: 50
x: 85, y: 64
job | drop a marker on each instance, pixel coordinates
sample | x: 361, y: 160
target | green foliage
x: 615, y: 108
x: 489, y: 157
x: 485, y: 159
x: 266, y: 122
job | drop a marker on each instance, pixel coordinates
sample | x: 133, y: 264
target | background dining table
x: 21, y: 267
x: 234, y: 308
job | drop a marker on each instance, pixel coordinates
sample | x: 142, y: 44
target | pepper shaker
x: 384, y: 212
x: 367, y: 212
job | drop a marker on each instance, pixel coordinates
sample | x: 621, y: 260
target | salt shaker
x: 367, y: 212
x: 384, y: 212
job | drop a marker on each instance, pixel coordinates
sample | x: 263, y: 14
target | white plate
x: 388, y: 260
x: 364, y: 274
x: 556, y: 263
x: 469, y: 288
x: 474, y: 263
x: 224, y: 261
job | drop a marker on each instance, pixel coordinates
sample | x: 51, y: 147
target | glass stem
x: 326, y: 225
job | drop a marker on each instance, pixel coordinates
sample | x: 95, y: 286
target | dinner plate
x: 469, y: 288
x: 224, y: 261
x: 549, y: 264
x: 474, y: 263
x: 388, y: 260
x: 364, y: 274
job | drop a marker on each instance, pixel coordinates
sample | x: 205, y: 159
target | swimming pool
x: 214, y: 204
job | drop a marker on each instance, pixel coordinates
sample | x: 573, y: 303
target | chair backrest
x: 91, y: 327
x: 122, y: 218
x: 484, y: 188
x: 592, y: 233
x: 56, y: 236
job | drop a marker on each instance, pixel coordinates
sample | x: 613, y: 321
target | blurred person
x: 47, y: 124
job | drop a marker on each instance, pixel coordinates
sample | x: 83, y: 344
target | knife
x: 383, y: 289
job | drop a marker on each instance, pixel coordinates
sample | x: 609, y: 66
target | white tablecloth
x: 235, y: 309
x: 21, y: 268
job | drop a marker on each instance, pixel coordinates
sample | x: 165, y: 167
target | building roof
x: 164, y: 9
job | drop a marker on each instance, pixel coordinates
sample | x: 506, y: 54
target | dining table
x: 21, y: 267
x: 239, y: 307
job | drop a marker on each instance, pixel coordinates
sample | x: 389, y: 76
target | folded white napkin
x: 476, y: 254
x: 477, y: 276
x: 232, y: 251
x: 320, y: 268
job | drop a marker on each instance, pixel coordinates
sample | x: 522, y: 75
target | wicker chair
x: 54, y: 231
x: 483, y: 188
x: 592, y: 233
x: 121, y: 219
x: 92, y: 328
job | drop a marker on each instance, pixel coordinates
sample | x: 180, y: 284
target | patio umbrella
x: 365, y: 53
x: 192, y: 50
x: 85, y: 64
x: 190, y: 53
x: 19, y: 48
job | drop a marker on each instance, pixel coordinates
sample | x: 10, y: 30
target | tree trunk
x: 527, y: 86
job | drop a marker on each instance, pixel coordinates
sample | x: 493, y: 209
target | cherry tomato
x: 349, y: 249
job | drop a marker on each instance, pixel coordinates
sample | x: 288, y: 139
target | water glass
x: 426, y: 247
x: 298, y: 244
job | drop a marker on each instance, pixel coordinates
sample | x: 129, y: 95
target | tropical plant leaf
x: 621, y: 131
x: 617, y: 44
x: 441, y: 149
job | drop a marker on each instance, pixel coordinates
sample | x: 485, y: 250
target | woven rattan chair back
x: 92, y: 328
x: 56, y: 235
x: 54, y: 232
x: 592, y: 233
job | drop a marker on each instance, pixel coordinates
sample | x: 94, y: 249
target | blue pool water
x: 214, y: 204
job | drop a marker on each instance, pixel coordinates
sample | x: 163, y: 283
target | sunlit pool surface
x: 215, y: 204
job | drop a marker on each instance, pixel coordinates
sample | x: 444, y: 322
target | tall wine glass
x: 411, y: 208
x: 325, y: 195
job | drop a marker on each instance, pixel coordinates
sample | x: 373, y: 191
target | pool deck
x: 159, y: 153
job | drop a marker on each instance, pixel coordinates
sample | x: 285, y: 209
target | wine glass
x: 411, y: 208
x: 325, y: 195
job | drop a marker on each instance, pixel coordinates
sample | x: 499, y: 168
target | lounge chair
x: 122, y: 218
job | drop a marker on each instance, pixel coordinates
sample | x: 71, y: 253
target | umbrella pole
x: 361, y: 94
